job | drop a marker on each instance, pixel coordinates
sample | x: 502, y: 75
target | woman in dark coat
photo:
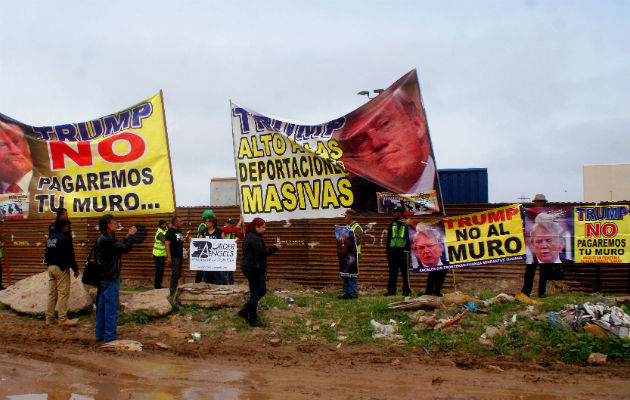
x: 254, y: 267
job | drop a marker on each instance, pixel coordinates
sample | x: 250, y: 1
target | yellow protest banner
x: 486, y: 237
x: 118, y: 163
x: 602, y: 234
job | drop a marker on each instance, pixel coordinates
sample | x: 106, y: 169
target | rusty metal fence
x: 310, y: 257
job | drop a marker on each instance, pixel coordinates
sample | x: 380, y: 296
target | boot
x: 243, y: 313
x: 254, y: 321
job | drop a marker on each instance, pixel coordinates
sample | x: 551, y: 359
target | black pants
x: 397, y: 261
x: 176, y: 270
x: 435, y: 282
x: 159, y: 271
x: 528, y: 282
x: 257, y: 288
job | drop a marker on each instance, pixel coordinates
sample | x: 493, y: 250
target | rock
x: 211, y: 296
x: 152, y: 301
x: 396, y: 362
x: 597, y: 359
x: 275, y: 342
x: 122, y: 345
x: 492, y: 331
x: 30, y: 295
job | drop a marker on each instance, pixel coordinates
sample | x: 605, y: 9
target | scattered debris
x: 122, y: 345
x: 495, y: 368
x: 597, y: 359
x: 383, y: 331
x: 523, y: 298
x: 612, y: 320
x: 162, y: 346
x: 196, y: 336
x: 500, y: 298
x: 396, y: 362
x: 275, y: 342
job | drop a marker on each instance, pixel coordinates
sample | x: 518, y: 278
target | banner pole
x: 168, y: 149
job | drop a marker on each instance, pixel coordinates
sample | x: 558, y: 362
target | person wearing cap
x: 539, y: 200
x: 159, y: 253
x: 350, y: 283
x: 397, y: 251
x: 232, y: 231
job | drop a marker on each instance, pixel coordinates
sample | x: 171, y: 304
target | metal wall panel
x: 309, y: 258
x: 464, y: 186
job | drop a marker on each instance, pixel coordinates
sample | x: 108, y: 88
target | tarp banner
x: 487, y: 237
x: 347, y: 251
x: 584, y: 234
x: 213, y: 254
x: 372, y: 159
x: 118, y: 163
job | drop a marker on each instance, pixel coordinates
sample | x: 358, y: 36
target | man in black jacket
x: 59, y: 257
x: 108, y: 257
x: 397, y: 251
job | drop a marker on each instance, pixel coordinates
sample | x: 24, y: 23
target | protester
x: 350, y: 283
x: 213, y: 232
x: 159, y: 253
x: 429, y: 250
x: 108, y: 257
x: 202, y: 225
x: 546, y: 243
x: 16, y: 164
x: 254, y: 267
x: 174, y: 243
x: 539, y: 200
x: 397, y: 251
x: 62, y: 214
x: 59, y: 257
x: 232, y: 231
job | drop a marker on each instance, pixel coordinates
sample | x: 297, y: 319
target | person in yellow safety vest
x: 397, y: 251
x: 159, y: 253
x: 350, y: 283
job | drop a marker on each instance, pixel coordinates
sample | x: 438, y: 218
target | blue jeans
x: 257, y: 288
x: 350, y: 286
x: 107, y: 310
x: 159, y: 271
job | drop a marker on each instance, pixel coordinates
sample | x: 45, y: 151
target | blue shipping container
x: 469, y: 185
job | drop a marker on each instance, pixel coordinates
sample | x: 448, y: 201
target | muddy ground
x: 51, y: 362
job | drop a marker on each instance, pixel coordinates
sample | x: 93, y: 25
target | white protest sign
x: 212, y: 254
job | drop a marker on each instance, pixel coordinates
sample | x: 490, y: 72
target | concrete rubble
x: 152, y: 301
x: 30, y: 295
x: 211, y: 296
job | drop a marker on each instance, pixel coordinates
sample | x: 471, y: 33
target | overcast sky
x: 531, y: 90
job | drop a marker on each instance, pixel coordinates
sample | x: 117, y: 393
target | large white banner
x: 212, y: 254
x: 373, y: 159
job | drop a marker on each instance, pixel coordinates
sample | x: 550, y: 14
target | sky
x: 531, y: 90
